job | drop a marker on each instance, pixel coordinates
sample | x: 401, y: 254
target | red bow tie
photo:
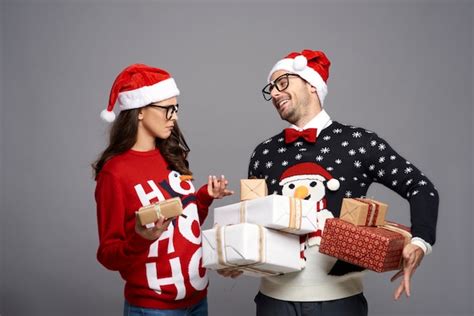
x: 309, y: 135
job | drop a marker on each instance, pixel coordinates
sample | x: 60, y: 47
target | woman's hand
x: 154, y: 232
x: 217, y: 188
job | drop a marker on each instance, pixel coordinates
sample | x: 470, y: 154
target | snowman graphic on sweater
x: 308, y: 181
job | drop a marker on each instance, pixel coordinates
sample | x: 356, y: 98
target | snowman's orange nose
x: 301, y: 192
x: 185, y: 177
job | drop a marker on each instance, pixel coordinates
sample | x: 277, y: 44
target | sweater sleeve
x: 387, y: 167
x: 203, y: 201
x: 116, y: 247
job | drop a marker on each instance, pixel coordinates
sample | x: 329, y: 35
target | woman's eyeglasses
x: 170, y: 109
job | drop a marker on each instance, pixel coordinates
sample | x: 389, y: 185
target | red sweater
x: 166, y: 273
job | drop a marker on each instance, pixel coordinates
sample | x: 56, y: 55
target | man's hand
x: 412, y: 256
x: 217, y: 188
x: 155, y: 232
x: 230, y: 273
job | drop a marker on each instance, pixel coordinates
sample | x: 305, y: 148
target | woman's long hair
x: 123, y: 135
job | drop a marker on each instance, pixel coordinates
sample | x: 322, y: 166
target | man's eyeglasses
x: 170, y: 109
x: 280, y: 83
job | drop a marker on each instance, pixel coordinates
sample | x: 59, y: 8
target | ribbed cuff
x: 426, y: 247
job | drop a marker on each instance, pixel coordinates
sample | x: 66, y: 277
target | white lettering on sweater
x: 168, y: 234
x: 184, y: 226
x: 145, y: 198
x: 176, y: 278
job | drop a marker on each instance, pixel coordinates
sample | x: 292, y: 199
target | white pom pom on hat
x: 333, y: 184
x: 139, y: 85
x: 300, y: 63
x: 107, y: 116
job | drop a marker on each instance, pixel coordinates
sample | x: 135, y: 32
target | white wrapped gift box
x: 256, y: 250
x: 284, y: 213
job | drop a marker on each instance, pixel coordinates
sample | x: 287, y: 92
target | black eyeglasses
x: 280, y: 83
x: 170, y: 109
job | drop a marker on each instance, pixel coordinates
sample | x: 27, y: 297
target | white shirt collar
x: 320, y: 122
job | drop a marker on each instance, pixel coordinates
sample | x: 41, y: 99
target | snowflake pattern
x: 369, y: 160
x: 256, y: 164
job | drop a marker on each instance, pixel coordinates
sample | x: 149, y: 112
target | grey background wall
x: 1, y: 152
x: 403, y: 69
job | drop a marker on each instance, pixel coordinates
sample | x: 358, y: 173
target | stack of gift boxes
x: 260, y: 234
x: 361, y: 236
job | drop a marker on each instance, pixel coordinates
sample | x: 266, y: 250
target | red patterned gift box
x: 375, y: 248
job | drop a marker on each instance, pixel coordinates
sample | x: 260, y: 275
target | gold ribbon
x: 220, y: 239
x: 394, y: 228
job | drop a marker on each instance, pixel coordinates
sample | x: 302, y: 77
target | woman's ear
x: 140, y: 114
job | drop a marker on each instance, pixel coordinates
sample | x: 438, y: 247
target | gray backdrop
x: 403, y: 69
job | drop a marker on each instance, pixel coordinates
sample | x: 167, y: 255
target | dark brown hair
x: 123, y: 135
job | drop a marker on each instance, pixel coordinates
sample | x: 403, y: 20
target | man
x: 323, y: 160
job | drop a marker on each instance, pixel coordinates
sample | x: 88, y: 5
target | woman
x: 145, y: 162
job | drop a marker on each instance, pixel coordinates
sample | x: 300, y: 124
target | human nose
x: 274, y: 92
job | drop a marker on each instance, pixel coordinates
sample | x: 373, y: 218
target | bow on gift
x: 309, y: 135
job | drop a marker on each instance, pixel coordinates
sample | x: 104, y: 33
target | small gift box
x: 252, y: 188
x: 170, y: 208
x: 279, y: 212
x: 363, y: 212
x: 375, y: 248
x: 254, y: 249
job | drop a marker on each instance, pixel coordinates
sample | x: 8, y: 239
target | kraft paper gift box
x: 279, y: 212
x: 375, y: 248
x: 363, y: 212
x: 148, y: 215
x: 252, y: 188
x: 254, y: 249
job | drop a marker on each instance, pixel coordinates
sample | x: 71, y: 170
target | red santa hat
x: 311, y: 65
x: 308, y: 171
x: 137, y: 86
